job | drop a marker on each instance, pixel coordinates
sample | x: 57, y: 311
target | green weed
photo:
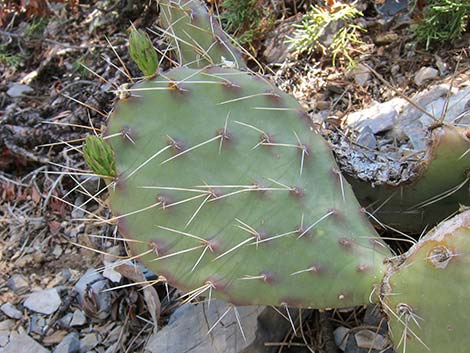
x: 245, y: 19
x: 443, y: 21
x: 10, y: 58
x: 36, y: 28
x: 310, y: 33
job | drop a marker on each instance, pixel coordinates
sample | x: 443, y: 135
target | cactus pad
x: 197, y: 37
x: 441, y: 185
x: 427, y: 291
x: 225, y: 189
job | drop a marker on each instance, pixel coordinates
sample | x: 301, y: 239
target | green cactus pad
x: 226, y: 188
x: 197, y: 37
x: 441, y: 185
x: 427, y: 291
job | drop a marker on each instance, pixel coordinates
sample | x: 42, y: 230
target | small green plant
x: 10, y: 58
x: 312, y: 34
x: 36, y: 27
x: 246, y: 19
x: 443, y: 21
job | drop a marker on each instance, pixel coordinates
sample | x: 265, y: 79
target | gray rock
x: 78, y: 318
x: 379, y: 117
x: 65, y: 321
x: 88, y: 342
x: 370, y: 340
x: 188, y: 329
x: 4, y: 338
x: 37, y: 324
x: 22, y: 343
x: 390, y: 8
x: 11, y: 311
x: 111, y: 274
x: 18, y: 284
x: 424, y: 74
x: 6, y: 325
x: 45, y: 302
x: 92, y: 283
x: 17, y: 90
x: 70, y: 344
x: 112, y: 348
x: 414, y: 123
x: 367, y: 138
x: 361, y: 74
x: 341, y: 337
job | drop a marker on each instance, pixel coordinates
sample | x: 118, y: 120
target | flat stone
x: 37, y: 324
x: 379, y: 117
x: 93, y: 282
x: 367, y: 138
x: 70, y: 344
x: 17, y: 90
x: 4, y: 338
x: 361, y: 74
x: 22, y: 343
x: 424, y: 74
x: 6, y: 325
x: 88, y: 342
x: 187, y: 330
x: 78, y: 318
x: 341, y: 337
x: 45, y: 302
x: 368, y: 339
x: 18, y: 284
x: 111, y: 274
x: 11, y: 311
x: 65, y: 321
x: 389, y: 8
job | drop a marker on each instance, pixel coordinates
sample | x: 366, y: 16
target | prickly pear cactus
x: 427, y: 290
x: 225, y: 190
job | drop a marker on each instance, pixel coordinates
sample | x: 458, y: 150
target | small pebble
x: 65, y: 321
x: 4, y: 338
x: 424, y: 74
x: 37, y: 324
x: 78, y: 319
x: 341, y: 337
x: 11, y: 311
x: 88, y: 342
x: 18, y: 284
x: 22, y: 343
x: 17, y: 90
x: 44, y: 302
x: 70, y: 344
x: 370, y: 340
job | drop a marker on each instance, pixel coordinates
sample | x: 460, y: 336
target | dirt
x: 71, y: 61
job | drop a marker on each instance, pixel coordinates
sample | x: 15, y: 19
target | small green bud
x: 99, y: 156
x: 142, y: 52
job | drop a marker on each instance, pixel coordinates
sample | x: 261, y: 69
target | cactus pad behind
x: 224, y: 189
x: 427, y: 291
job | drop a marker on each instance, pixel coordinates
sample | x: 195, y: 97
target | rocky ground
x: 66, y: 283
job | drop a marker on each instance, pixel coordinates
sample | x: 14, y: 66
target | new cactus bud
x: 142, y: 52
x: 99, y: 156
